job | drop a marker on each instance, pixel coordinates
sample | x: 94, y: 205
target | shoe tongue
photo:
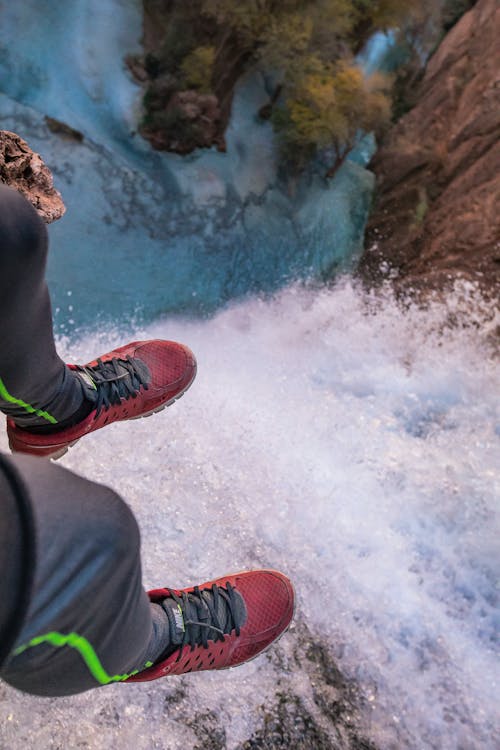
x: 195, y: 612
x: 107, y: 370
x: 240, y: 609
x: 88, y: 385
x: 176, y: 618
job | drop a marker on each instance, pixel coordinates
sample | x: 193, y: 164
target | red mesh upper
x: 268, y: 600
x: 165, y: 369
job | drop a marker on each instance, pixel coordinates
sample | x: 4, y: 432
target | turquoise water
x: 147, y: 233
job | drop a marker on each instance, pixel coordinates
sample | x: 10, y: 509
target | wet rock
x: 23, y: 169
x: 63, y: 129
x: 330, y: 715
x: 136, y: 65
x: 208, y: 730
x: 288, y: 724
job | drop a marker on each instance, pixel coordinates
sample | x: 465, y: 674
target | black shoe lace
x: 200, y: 610
x: 112, y: 383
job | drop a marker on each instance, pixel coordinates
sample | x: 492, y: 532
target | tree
x: 327, y: 109
x: 321, y: 100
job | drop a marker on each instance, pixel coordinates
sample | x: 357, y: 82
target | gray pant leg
x: 30, y: 369
x: 87, y: 583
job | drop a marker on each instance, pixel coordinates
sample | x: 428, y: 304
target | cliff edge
x: 436, y: 213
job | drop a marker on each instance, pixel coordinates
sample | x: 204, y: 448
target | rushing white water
x: 351, y: 445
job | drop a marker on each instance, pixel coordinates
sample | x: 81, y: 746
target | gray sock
x: 159, y: 644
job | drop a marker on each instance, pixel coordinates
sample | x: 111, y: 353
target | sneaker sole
x: 62, y: 451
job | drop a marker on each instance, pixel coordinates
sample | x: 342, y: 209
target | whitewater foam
x: 351, y: 444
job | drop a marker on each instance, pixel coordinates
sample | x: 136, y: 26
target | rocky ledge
x: 436, y: 215
x: 23, y: 169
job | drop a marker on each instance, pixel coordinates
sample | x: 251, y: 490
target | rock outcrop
x: 181, y: 115
x: 23, y: 169
x: 437, y: 211
x: 191, y: 120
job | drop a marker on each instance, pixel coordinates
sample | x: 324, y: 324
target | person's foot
x: 130, y: 382
x: 222, y: 623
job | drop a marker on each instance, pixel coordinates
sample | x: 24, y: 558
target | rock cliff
x: 437, y: 208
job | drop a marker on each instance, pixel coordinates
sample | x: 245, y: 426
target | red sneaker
x: 133, y: 381
x: 222, y: 623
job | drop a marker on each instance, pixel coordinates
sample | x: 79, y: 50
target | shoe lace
x: 200, y: 610
x: 115, y: 380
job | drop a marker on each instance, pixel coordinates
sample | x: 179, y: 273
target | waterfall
x: 351, y: 445
x: 330, y: 434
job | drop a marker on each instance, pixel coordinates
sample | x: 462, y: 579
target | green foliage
x: 421, y: 208
x: 333, y: 23
x: 171, y: 122
x: 246, y: 18
x: 178, y: 42
x: 284, y: 43
x: 197, y: 69
x: 327, y: 108
x: 326, y: 99
x: 383, y: 14
x: 322, y: 100
x: 250, y: 18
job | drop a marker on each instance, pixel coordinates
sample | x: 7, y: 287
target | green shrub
x: 197, y: 69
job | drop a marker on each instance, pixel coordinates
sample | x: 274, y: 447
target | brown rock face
x: 23, y: 169
x: 437, y: 210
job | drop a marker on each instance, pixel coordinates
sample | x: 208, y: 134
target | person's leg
x: 90, y: 621
x: 32, y: 375
x: 50, y: 405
